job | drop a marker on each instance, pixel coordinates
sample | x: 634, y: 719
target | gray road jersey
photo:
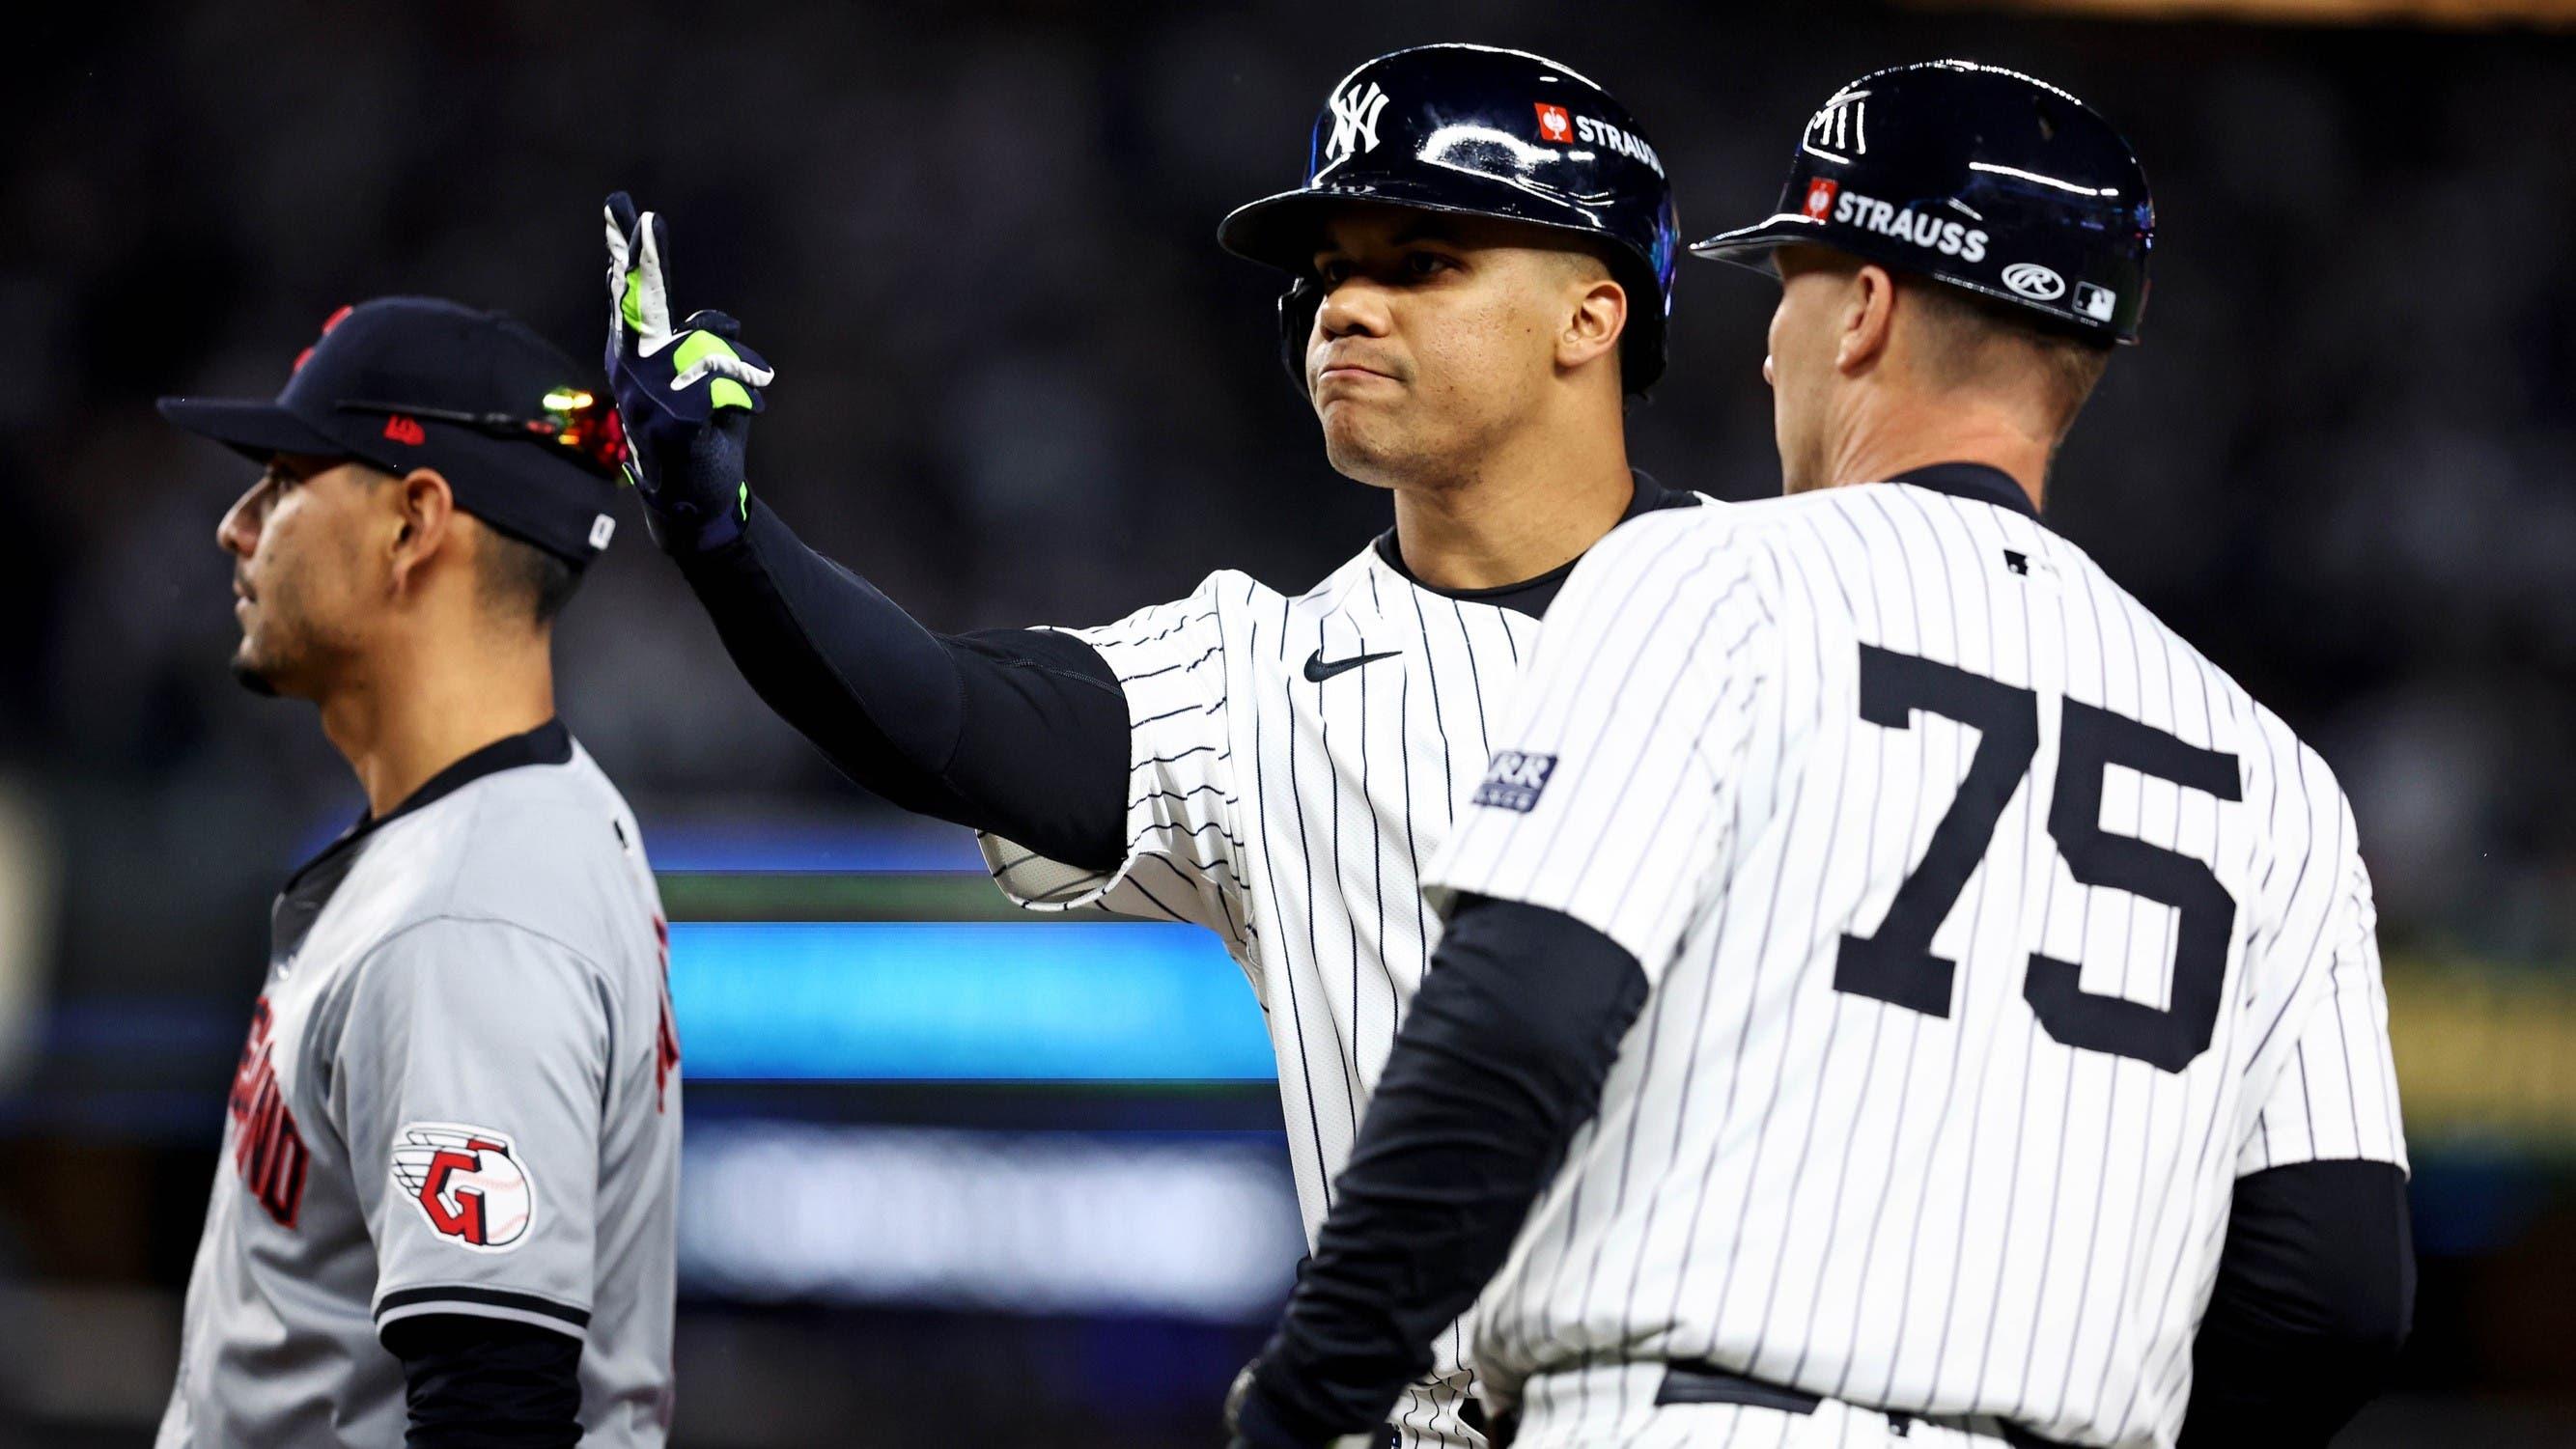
x: 460, y: 1095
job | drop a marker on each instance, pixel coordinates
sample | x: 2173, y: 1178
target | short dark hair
x: 1981, y: 330
x: 516, y: 574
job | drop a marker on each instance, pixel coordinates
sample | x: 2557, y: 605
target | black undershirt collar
x: 1532, y: 596
x: 1974, y: 481
x: 548, y: 744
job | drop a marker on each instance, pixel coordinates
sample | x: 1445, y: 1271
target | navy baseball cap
x: 526, y: 437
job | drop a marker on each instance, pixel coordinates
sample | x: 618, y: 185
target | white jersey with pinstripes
x: 1292, y: 815
x: 1993, y: 932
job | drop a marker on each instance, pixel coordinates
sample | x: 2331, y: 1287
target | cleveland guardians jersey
x: 1295, y: 762
x: 1993, y: 933
x: 460, y: 1095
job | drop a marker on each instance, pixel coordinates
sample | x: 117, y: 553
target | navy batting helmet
x: 1979, y: 177
x: 1482, y: 132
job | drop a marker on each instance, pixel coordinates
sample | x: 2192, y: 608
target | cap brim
x: 256, y: 430
x: 1751, y: 246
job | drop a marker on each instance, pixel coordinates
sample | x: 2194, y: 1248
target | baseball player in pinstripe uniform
x: 445, y: 1210
x: 1894, y: 988
x: 1481, y: 262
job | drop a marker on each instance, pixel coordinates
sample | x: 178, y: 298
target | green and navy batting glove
x: 686, y: 395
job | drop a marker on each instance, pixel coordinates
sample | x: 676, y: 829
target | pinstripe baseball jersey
x: 1295, y: 763
x: 1993, y: 933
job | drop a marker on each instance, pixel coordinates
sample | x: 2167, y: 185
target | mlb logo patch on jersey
x: 1513, y: 780
x: 467, y: 1182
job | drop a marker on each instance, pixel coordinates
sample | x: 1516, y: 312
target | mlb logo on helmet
x: 1820, y: 198
x: 1554, y: 124
x: 2095, y: 302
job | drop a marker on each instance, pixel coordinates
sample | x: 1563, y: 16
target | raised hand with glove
x: 687, y: 395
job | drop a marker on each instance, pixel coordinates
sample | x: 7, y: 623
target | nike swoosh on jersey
x: 1318, y: 670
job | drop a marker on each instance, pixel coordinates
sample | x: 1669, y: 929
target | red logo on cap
x: 1820, y: 198
x: 1554, y: 124
x: 404, y: 430
x: 328, y: 323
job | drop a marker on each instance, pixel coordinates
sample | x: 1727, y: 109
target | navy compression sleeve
x: 1501, y: 1058
x: 1022, y: 732
x: 487, y: 1383
x: 2315, y: 1294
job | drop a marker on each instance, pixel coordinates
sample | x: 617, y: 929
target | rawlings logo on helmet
x: 2040, y: 284
x: 467, y: 1183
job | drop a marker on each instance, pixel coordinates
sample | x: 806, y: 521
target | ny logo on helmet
x: 1355, y: 113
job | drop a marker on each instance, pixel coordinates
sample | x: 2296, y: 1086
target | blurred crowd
x: 1019, y: 383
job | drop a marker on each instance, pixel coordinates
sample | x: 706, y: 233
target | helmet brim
x: 1752, y: 246
x: 1285, y: 230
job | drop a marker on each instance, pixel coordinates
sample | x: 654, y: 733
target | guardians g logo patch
x: 467, y: 1182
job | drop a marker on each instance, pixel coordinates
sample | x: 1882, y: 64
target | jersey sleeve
x: 2322, y: 1081
x: 1611, y: 796
x: 1184, y: 846
x: 469, y: 1081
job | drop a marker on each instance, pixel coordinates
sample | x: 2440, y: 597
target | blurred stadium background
x: 959, y: 1178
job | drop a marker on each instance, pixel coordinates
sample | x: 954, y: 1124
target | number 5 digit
x: 2091, y: 742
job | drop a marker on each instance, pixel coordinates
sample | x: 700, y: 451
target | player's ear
x: 1868, y: 315
x: 424, y: 515
x: 1598, y: 314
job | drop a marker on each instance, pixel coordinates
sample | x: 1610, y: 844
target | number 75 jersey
x: 1994, y: 934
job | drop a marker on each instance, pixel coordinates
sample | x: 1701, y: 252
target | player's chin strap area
x: 1297, y: 308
